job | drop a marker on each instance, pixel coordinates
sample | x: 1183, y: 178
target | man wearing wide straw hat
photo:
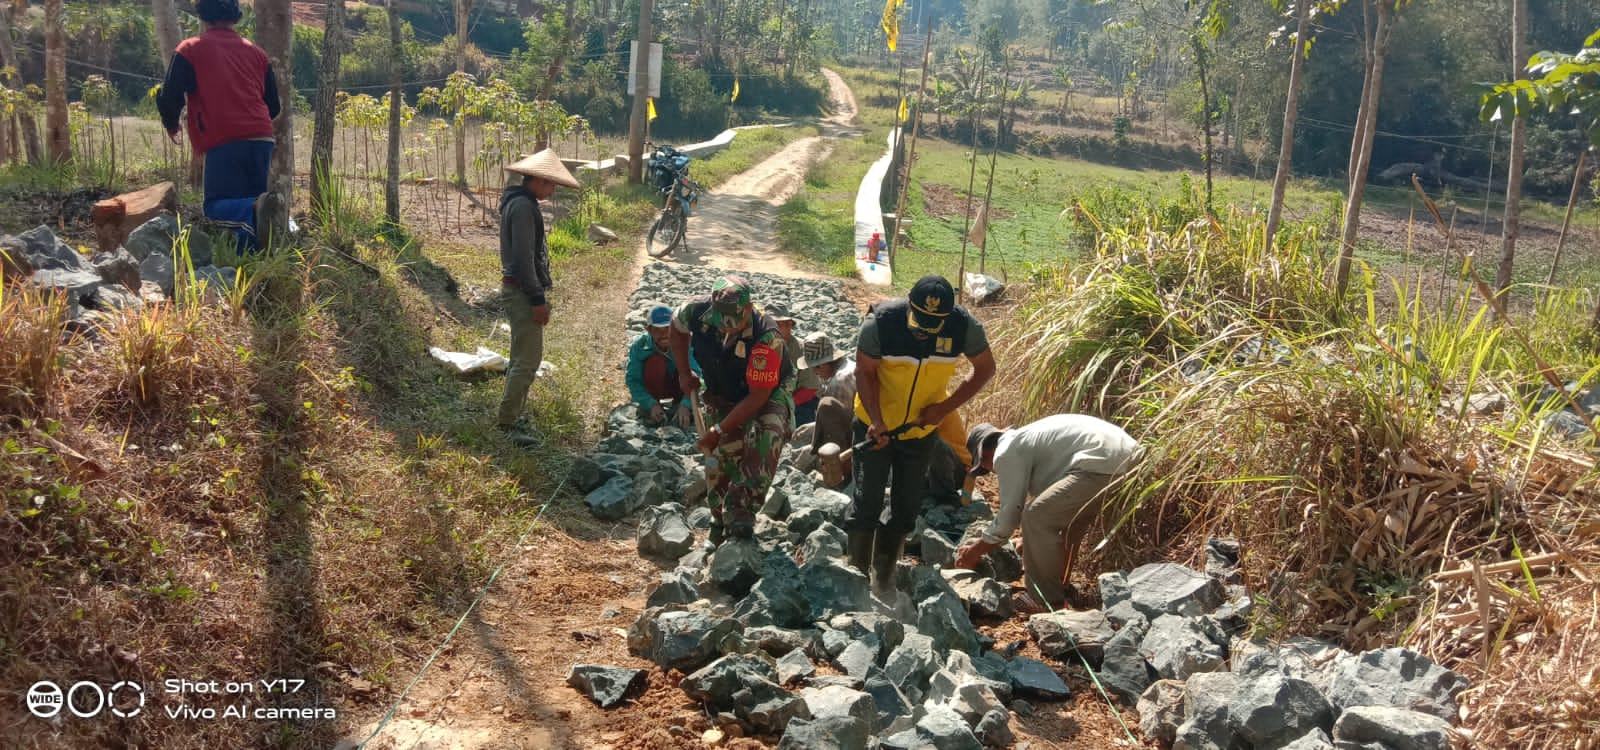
x: 525, y: 280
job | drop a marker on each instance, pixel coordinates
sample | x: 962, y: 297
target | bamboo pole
x: 966, y: 226
x: 911, y: 156
x: 1566, y: 222
x: 994, y: 156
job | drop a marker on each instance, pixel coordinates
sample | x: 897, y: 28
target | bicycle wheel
x: 666, y: 233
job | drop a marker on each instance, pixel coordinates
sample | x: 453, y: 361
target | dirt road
x: 735, y: 224
x: 501, y: 682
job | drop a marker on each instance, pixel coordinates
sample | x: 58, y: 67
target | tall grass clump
x: 1351, y: 452
x: 32, y: 325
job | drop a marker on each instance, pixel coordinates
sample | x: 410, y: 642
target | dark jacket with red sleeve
x: 228, y: 86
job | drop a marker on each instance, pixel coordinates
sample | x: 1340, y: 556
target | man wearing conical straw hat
x: 525, y: 280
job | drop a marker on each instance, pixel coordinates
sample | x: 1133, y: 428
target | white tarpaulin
x: 484, y: 359
x: 981, y: 288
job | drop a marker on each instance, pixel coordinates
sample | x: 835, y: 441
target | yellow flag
x: 891, y: 22
x: 735, y: 90
x: 903, y: 111
x: 650, y: 109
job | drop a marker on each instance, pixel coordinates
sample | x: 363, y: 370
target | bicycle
x: 669, y: 171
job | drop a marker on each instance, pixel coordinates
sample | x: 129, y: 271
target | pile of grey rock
x: 816, y: 304
x: 1170, y: 640
x: 142, y: 271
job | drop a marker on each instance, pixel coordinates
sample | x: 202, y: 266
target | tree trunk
x: 1519, y: 136
x: 165, y: 13
x: 8, y: 59
x: 273, y: 34
x: 463, y: 13
x: 1359, y: 131
x: 1291, y: 111
x: 391, y: 185
x: 323, y: 123
x: 58, y: 132
x: 1368, y: 118
x: 552, y: 75
x: 1201, y: 66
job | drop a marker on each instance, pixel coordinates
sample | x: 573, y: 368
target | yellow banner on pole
x: 891, y: 22
x: 735, y: 90
x: 904, y: 112
x: 650, y: 109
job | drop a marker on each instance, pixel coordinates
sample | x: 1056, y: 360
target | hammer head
x: 831, y: 464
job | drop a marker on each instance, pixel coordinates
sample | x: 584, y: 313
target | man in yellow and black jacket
x: 906, y: 357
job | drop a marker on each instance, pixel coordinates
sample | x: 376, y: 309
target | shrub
x: 32, y: 324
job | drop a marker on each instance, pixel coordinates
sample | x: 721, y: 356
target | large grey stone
x: 1114, y: 589
x: 881, y: 632
x: 781, y: 641
x: 940, y: 613
x: 664, y: 533
x: 1396, y: 677
x: 778, y: 598
x: 111, y: 297
x: 1003, y: 564
x: 911, y: 663
x: 683, y: 640
x: 838, y: 701
x: 607, y: 686
x: 1168, y: 588
x: 1123, y: 669
x: 1064, y: 632
x: 1161, y: 710
x: 746, y: 687
x: 44, y: 251
x: 887, y: 697
x: 826, y: 542
x: 676, y: 587
x: 967, y: 695
x: 857, y: 659
x: 1315, y: 739
x: 1273, y: 710
x: 1178, y: 647
x: 1033, y: 678
x: 612, y: 501
x: 833, y: 587
x: 934, y: 548
x: 994, y: 729
x: 736, y: 566
x: 154, y: 236
x: 585, y: 475
x: 217, y: 278
x: 985, y: 597
x: 117, y: 267
x: 794, y: 666
x: 826, y: 733
x: 939, y: 729
x: 1205, y: 710
x: 1396, y: 728
x: 1222, y: 560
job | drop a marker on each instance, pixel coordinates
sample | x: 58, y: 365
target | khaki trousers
x: 527, y: 350
x: 1053, y: 525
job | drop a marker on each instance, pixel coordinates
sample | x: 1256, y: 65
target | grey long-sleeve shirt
x: 1030, y: 458
x: 524, y: 257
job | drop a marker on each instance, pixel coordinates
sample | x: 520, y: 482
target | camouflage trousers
x: 747, y: 457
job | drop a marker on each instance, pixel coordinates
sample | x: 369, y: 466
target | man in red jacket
x: 231, y: 95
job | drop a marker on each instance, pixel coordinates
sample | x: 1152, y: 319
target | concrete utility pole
x: 641, y: 68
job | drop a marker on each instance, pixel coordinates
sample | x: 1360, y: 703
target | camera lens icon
x: 45, y: 699
x: 85, y: 699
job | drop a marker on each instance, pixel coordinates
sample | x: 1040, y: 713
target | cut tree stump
x: 114, y: 218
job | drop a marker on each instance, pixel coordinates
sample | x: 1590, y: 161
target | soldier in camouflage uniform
x: 748, y: 387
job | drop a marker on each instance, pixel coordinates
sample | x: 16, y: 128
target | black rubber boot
x: 885, y: 558
x: 858, y: 548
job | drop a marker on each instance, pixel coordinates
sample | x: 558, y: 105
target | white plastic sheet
x: 485, y: 359
x: 980, y: 288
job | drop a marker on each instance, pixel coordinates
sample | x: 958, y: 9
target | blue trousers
x: 236, y: 174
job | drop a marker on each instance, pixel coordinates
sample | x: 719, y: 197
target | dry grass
x: 1340, y: 450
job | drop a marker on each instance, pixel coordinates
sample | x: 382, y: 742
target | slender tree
x: 1375, y: 45
x: 274, y: 31
x: 58, y: 133
x: 1291, y: 111
x: 569, y: 32
x: 8, y: 59
x: 463, y: 29
x: 165, y: 13
x: 323, y: 122
x: 1512, y: 222
x: 391, y: 185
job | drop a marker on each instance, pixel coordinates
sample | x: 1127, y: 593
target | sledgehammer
x: 832, y: 460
